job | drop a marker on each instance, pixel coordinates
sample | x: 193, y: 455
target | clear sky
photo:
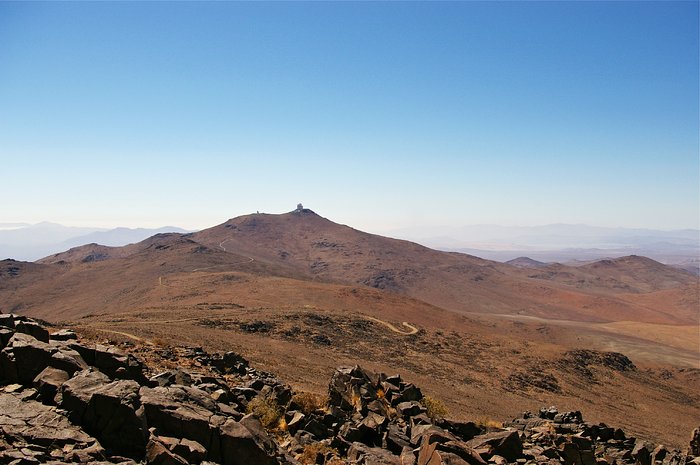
x: 377, y: 115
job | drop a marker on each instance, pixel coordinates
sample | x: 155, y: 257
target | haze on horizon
x: 381, y: 116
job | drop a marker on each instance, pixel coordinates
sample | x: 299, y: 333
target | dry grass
x: 267, y: 410
x: 435, y: 408
x: 308, y: 402
x: 489, y: 423
x: 160, y: 342
x: 319, y: 453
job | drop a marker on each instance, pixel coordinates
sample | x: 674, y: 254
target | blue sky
x: 377, y: 115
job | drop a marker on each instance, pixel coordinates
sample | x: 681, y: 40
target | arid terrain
x: 299, y: 295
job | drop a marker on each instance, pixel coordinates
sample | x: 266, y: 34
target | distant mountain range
x: 29, y: 242
x: 564, y: 243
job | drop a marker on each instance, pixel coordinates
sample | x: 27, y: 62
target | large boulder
x: 362, y: 454
x: 578, y: 451
x: 117, y: 364
x: 49, y: 382
x: 507, y: 444
x: 694, y: 446
x: 351, y: 389
x: 5, y: 336
x: 246, y: 442
x: 30, y: 425
x: 434, y: 450
x: 465, y: 430
x: 25, y: 357
x: 642, y: 452
x: 183, y: 412
x: 170, y: 377
x: 7, y: 320
x: 33, y: 329
x: 157, y: 453
x: 110, y: 410
x: 63, y: 335
x: 77, y: 392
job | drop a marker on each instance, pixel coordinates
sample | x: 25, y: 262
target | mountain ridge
x: 301, y: 294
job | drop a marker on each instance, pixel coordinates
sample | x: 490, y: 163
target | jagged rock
x: 548, y: 413
x: 410, y: 408
x: 63, y: 335
x: 378, y: 406
x: 33, y: 329
x: 463, y: 430
x: 77, y: 392
x: 317, y: 428
x: 183, y: 412
x: 191, y: 451
x: 158, y: 454
x: 577, y: 453
x: 420, y: 419
x: 369, y: 436
x: 48, y: 383
x: 281, y: 393
x: 659, y: 453
x: 116, y: 364
x: 408, y: 393
x: 5, y: 336
x: 221, y: 396
x: 362, y: 454
x: 25, y: 357
x: 396, y: 439
x: 109, y: 410
x: 504, y: 443
x: 568, y: 417
x: 642, y: 452
x: 7, y: 320
x: 435, y: 433
x: 31, y: 423
x: 168, y: 378
x: 230, y: 362
x: 407, y: 456
x: 347, y: 386
x: 694, y: 447
x: 246, y: 442
x: 435, y: 450
x: 295, y: 421
x: 349, y: 433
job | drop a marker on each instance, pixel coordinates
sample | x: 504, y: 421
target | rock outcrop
x: 63, y: 401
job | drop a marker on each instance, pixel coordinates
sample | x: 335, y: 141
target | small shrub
x: 282, y: 424
x: 267, y: 410
x: 356, y: 401
x: 434, y: 407
x: 308, y: 402
x: 319, y: 453
x: 160, y: 342
x: 488, y: 423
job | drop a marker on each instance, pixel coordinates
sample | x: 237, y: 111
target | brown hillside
x: 300, y: 294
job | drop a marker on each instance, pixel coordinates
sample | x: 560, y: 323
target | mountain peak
x: 300, y: 210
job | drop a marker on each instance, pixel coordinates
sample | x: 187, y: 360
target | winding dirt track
x: 129, y: 335
x: 221, y: 246
x: 411, y: 329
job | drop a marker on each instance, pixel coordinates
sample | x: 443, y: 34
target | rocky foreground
x: 64, y: 401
